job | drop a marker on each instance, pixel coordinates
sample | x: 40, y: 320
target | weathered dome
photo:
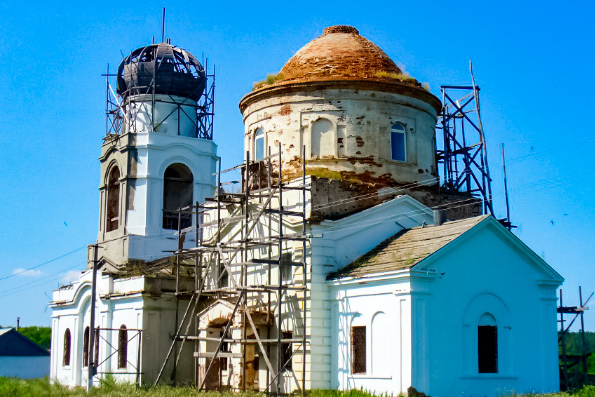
x: 163, y: 67
x: 339, y: 54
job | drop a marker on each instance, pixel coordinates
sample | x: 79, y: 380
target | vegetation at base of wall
x: 271, y: 78
x: 42, y: 387
x: 39, y: 335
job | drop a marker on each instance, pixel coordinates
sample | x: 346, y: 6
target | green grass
x: 42, y: 387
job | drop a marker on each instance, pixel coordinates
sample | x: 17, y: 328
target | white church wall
x: 338, y: 243
x: 383, y: 307
x: 120, y: 302
x: 155, y: 153
x: 485, y: 271
x: 359, y: 123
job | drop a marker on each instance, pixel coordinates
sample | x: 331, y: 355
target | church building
x: 340, y: 263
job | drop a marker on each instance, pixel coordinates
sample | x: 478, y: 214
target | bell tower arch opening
x: 113, y: 199
x: 178, y: 185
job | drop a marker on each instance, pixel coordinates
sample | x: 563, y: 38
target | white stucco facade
x: 422, y: 323
x: 137, y: 303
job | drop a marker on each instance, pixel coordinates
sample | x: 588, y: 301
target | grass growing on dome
x: 271, y: 78
x: 404, y: 77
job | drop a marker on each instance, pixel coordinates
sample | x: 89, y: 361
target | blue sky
x: 533, y: 61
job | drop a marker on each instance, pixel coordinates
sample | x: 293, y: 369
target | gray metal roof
x: 406, y: 248
x: 13, y: 343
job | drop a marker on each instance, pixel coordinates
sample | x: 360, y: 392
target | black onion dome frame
x: 161, y: 69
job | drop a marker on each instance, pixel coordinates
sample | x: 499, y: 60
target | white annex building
x: 339, y: 263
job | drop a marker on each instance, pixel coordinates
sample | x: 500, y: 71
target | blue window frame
x: 398, y: 143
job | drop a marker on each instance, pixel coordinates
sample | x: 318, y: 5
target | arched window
x: 66, y: 357
x: 96, y: 341
x: 323, y: 139
x: 259, y: 144
x: 398, y: 142
x: 178, y: 184
x: 122, y: 347
x: 487, y: 344
x: 86, y: 347
x: 380, y: 344
x: 113, y: 199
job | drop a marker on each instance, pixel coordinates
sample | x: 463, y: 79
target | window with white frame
x: 259, y: 144
x: 398, y: 142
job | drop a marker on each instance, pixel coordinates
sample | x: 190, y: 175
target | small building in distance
x: 20, y: 357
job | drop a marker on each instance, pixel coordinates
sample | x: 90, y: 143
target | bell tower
x: 158, y: 153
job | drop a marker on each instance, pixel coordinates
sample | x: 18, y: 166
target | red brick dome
x: 339, y: 54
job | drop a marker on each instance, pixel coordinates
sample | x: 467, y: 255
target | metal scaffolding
x: 245, y: 257
x: 121, y: 112
x: 577, y: 378
x: 463, y: 156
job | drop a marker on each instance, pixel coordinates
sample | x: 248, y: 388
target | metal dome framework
x: 165, y: 70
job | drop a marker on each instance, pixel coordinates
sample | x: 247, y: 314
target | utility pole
x: 91, y: 362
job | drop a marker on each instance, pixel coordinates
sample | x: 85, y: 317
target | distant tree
x: 39, y: 335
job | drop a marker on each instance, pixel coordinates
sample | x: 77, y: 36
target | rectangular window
x: 286, y: 267
x: 397, y: 142
x: 487, y: 349
x: 358, y: 350
x: 287, y: 350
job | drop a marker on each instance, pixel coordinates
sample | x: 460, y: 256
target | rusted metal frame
x: 280, y: 289
x: 108, y: 343
x: 175, y: 339
x: 466, y: 159
x: 563, y: 332
x: 463, y: 175
x: 469, y: 171
x: 219, y: 248
x: 285, y: 364
x: 244, y: 269
x: 227, y: 327
x: 184, y: 337
x: 583, y: 352
x: 137, y: 366
x: 304, y: 274
x: 445, y: 138
x: 460, y: 109
x: 505, y: 181
x: 138, y: 356
x: 179, y: 107
x: 247, y: 341
x: 257, y: 337
x: 90, y: 352
x: 269, y: 267
x: 206, y: 104
x: 484, y: 185
x: 487, y: 185
x: 116, y: 350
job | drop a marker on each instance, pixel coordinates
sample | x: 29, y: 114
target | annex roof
x: 406, y: 248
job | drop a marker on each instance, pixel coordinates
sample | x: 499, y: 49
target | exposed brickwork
x: 339, y: 54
